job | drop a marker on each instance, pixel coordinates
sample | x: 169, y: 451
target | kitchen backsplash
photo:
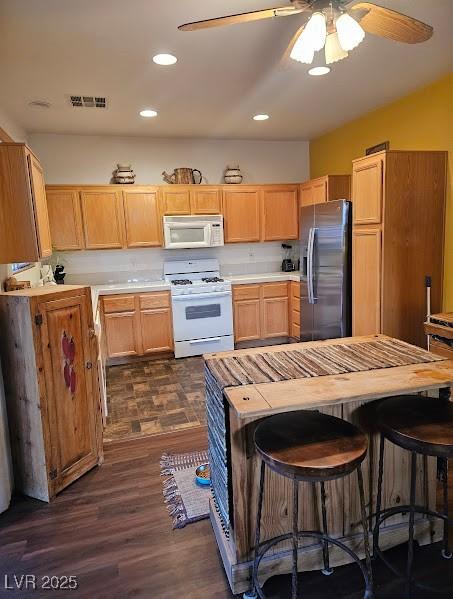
x: 98, y: 267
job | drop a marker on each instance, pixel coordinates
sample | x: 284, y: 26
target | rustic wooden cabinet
x: 24, y: 220
x: 137, y: 324
x: 261, y: 311
x: 65, y: 217
x: 103, y: 219
x: 142, y: 217
x: 280, y: 213
x: 398, y: 240
x: 325, y: 189
x: 242, y: 213
x: 49, y: 352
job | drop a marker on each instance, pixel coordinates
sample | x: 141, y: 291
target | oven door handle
x: 208, y: 340
x: 198, y: 296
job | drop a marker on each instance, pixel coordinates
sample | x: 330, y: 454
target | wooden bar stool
x: 311, y: 447
x: 422, y: 426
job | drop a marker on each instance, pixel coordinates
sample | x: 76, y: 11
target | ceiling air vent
x: 88, y: 101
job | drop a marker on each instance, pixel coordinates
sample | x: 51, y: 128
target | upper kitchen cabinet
x: 398, y: 238
x: 241, y: 211
x: 280, y: 213
x: 142, y: 217
x: 368, y: 189
x: 103, y: 219
x: 65, y: 219
x: 325, y: 189
x: 175, y: 200
x: 24, y: 220
x: 206, y: 200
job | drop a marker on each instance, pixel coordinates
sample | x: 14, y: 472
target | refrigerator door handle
x: 310, y: 257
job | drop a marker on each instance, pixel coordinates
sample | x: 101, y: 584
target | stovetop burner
x: 182, y: 282
x: 212, y: 280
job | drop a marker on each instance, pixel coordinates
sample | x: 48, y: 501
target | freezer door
x: 307, y: 214
x: 331, y: 268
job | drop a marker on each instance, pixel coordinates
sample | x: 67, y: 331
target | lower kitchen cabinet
x: 294, y: 309
x: 137, y: 324
x: 260, y: 311
x: 49, y: 353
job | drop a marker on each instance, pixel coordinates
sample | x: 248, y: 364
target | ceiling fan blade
x: 257, y: 15
x: 394, y: 25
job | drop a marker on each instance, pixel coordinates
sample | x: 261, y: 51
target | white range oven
x: 202, y: 307
x: 181, y: 232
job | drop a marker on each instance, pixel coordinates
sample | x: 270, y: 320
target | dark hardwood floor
x: 112, y: 531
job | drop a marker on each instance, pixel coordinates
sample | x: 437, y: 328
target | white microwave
x: 193, y: 231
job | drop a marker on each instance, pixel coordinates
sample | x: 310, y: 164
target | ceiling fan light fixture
x: 316, y: 30
x: 333, y: 50
x: 350, y: 33
x: 302, y: 50
x: 318, y: 71
x: 261, y: 117
x: 165, y: 60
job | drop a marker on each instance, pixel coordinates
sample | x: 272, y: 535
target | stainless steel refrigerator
x: 325, y: 264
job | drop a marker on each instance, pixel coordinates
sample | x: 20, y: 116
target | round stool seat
x: 417, y: 423
x: 310, y: 445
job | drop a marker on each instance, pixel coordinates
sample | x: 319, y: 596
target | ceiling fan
x: 336, y: 25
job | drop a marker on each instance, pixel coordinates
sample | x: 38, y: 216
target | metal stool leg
x: 258, y: 526
x: 410, y: 551
x: 325, y: 546
x: 369, y: 594
x: 379, y: 494
x: 446, y: 552
x: 295, y: 536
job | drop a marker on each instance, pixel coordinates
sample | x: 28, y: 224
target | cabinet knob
x: 89, y: 365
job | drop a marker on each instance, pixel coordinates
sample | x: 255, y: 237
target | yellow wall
x: 421, y: 121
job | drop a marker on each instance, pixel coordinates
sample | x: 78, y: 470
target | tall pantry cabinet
x: 398, y: 240
x: 49, y: 353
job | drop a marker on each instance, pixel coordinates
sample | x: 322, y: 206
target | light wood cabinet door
x: 206, y: 201
x: 306, y: 195
x: 280, y: 214
x: 156, y: 330
x: 367, y: 191
x: 65, y: 219
x: 175, y: 201
x: 142, y: 218
x: 241, y: 211
x: 319, y: 191
x: 247, y: 320
x: 275, y: 317
x: 121, y: 334
x: 366, y: 281
x: 71, y: 397
x: 103, y: 219
x: 38, y: 190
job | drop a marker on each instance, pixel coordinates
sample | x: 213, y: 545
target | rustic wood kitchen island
x: 341, y: 377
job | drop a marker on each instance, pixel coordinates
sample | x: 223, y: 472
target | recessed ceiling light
x: 165, y: 60
x: 261, y: 117
x: 317, y: 71
x: 148, y: 113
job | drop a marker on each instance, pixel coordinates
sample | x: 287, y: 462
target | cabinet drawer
x: 245, y: 292
x: 295, y: 290
x: 119, y: 303
x: 275, y: 290
x: 295, y: 317
x: 161, y: 299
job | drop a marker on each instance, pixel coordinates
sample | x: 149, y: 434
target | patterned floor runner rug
x: 186, y: 500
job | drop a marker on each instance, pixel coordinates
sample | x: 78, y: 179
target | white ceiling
x: 52, y: 48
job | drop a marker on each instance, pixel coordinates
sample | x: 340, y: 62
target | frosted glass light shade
x: 302, y: 50
x: 334, y: 51
x: 312, y: 39
x: 350, y: 33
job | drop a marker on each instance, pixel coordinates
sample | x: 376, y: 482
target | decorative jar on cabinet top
x: 233, y: 175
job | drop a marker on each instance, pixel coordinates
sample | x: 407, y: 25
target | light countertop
x: 159, y: 285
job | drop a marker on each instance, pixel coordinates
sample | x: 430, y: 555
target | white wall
x: 91, y: 159
x: 12, y: 128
